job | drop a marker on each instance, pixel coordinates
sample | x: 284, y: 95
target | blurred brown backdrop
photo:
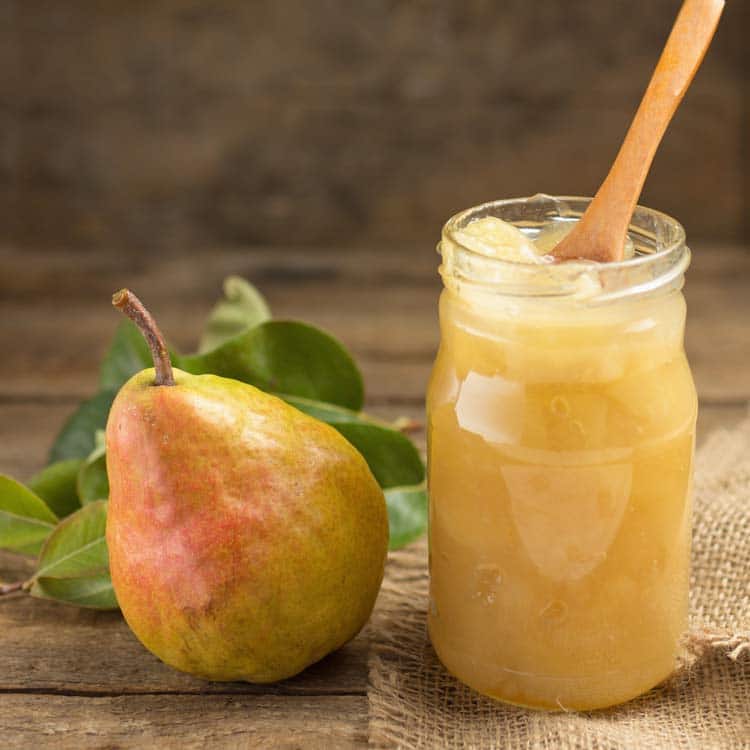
x: 162, y: 125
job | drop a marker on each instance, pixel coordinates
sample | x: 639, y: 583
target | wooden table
x: 79, y: 679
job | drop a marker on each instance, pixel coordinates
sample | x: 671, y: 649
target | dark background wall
x: 161, y: 125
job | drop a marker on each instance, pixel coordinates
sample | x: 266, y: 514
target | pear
x: 246, y: 539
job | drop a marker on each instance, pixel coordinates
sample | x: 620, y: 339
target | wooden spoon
x: 600, y: 234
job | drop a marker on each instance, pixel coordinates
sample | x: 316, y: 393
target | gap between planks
x: 73, y: 399
x: 251, y: 691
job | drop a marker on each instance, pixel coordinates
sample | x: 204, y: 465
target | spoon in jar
x: 600, y: 234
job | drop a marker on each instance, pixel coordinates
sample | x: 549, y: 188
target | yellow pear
x: 246, y: 539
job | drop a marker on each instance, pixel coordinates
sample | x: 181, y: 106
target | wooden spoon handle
x: 600, y: 234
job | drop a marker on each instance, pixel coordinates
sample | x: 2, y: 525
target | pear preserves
x: 561, y: 424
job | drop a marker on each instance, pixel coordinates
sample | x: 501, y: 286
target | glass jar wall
x: 561, y: 422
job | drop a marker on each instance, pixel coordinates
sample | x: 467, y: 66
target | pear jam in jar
x: 561, y: 422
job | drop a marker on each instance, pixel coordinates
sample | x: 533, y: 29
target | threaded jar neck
x: 658, y: 265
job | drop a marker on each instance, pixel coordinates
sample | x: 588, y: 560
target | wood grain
x: 181, y: 124
x: 53, y: 648
x: 183, y: 722
x: 381, y: 307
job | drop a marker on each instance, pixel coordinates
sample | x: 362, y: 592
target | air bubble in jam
x: 554, y: 613
x: 487, y: 580
x: 560, y: 406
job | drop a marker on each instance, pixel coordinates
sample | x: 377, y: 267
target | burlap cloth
x: 415, y: 703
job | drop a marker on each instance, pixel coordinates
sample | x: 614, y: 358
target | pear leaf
x: 74, y: 563
x: 286, y: 357
x: 92, y: 482
x: 77, y: 546
x: 242, y: 307
x: 329, y: 413
x: 56, y: 485
x: 407, y: 514
x: 25, y: 520
x: 128, y: 354
x: 92, y: 591
x: 77, y: 438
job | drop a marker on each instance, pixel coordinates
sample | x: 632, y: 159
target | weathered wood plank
x: 52, y: 648
x: 55, y: 320
x: 275, y: 121
x: 184, y: 722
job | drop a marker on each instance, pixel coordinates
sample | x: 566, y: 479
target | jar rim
x: 661, y: 261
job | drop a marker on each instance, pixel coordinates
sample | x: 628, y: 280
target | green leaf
x: 286, y: 357
x: 56, y: 485
x: 243, y: 307
x: 77, y: 546
x: 78, y: 436
x: 74, y: 563
x: 324, y: 412
x: 128, y: 354
x: 92, y: 591
x: 93, y: 483
x: 25, y: 520
x: 407, y: 514
x: 391, y: 456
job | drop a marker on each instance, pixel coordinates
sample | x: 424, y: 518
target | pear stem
x: 128, y: 303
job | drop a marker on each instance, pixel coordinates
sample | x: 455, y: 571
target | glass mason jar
x: 561, y: 422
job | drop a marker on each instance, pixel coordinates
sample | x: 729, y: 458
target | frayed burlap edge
x: 415, y: 703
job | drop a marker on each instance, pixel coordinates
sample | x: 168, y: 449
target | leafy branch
x: 60, y: 515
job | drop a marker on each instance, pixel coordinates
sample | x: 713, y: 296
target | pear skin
x: 247, y: 540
